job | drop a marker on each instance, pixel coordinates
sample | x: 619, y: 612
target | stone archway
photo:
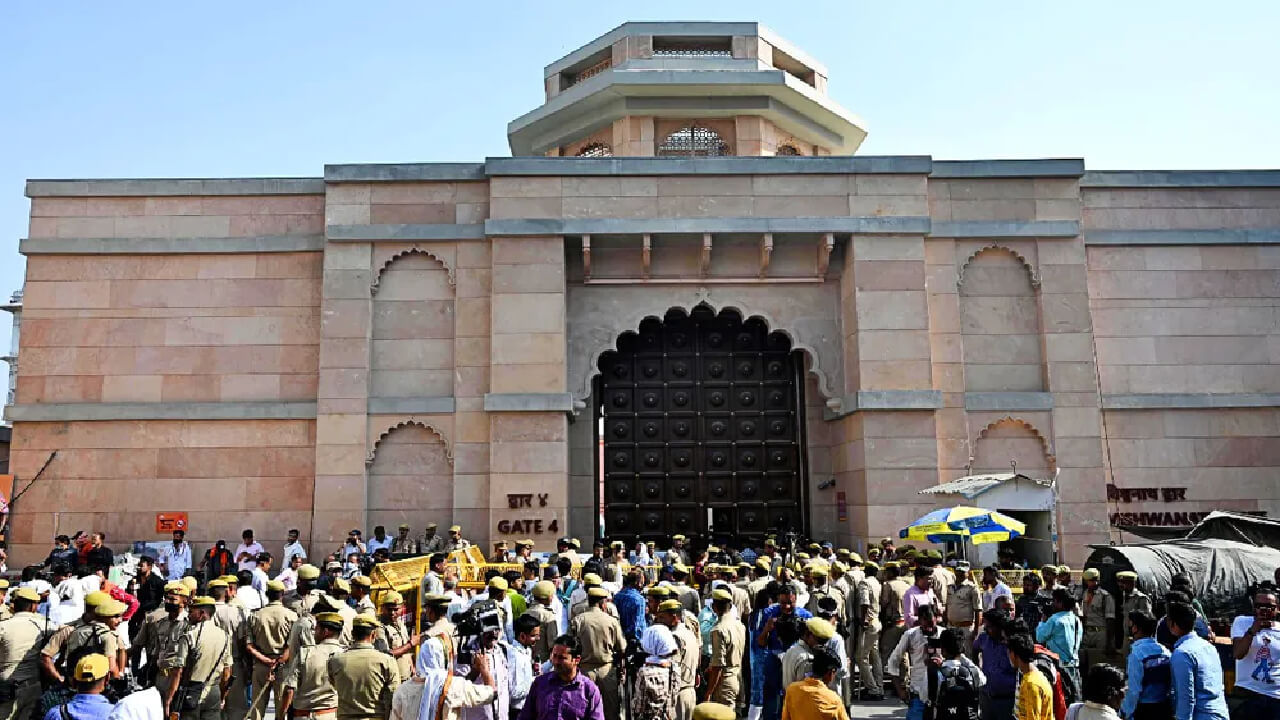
x: 702, y: 429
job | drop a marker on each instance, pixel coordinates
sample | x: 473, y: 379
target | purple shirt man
x: 565, y: 693
x: 912, y: 601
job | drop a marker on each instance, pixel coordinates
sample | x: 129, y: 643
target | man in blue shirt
x: 1147, y: 697
x: 1196, y: 668
x: 90, y: 679
x: 996, y: 699
x: 1061, y: 634
x: 630, y: 605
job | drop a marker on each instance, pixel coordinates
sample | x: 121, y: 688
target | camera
x: 480, y: 618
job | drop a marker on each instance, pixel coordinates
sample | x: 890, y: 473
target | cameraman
x: 482, y: 659
x: 921, y: 645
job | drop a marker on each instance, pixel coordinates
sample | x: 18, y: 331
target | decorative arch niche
x: 1000, y: 322
x: 410, y: 475
x: 415, y: 250
x: 1012, y: 439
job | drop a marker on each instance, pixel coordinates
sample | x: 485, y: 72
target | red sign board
x: 170, y: 521
x: 842, y: 507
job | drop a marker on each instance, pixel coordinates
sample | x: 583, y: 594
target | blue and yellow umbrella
x: 977, y: 525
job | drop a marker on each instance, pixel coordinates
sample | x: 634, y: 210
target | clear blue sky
x: 135, y: 89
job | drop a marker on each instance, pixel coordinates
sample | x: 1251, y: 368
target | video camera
x: 480, y: 618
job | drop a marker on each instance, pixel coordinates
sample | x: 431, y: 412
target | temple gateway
x: 684, y: 305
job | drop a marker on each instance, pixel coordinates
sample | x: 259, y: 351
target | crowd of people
x: 706, y: 632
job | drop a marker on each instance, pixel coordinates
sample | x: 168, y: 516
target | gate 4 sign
x: 170, y: 521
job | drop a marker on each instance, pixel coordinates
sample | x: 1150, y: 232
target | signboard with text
x: 167, y: 522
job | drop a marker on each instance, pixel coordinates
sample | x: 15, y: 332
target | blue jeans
x: 915, y: 709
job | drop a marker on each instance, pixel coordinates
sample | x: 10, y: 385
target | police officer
x: 728, y: 644
x: 456, y: 541
x: 603, y: 643
x: 54, y: 647
x: 100, y: 636
x: 158, y: 636
x: 1098, y: 611
x: 230, y: 617
x: 361, y: 587
x: 203, y: 664
x: 870, y: 666
x: 393, y: 637
x: 5, y: 612
x: 431, y: 543
x: 819, y: 588
x: 363, y: 677
x: 687, y: 596
x: 21, y: 638
x: 339, y: 589
x: 670, y: 613
x: 892, y: 591
x: 307, y: 690
x: 964, y: 604
x: 302, y: 598
x: 1131, y: 600
x: 266, y: 642
x: 543, y: 593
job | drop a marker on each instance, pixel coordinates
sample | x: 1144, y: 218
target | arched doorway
x: 701, y: 430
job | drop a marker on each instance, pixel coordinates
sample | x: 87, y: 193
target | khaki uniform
x: 430, y: 545
x: 159, y: 637
x: 391, y: 636
x: 307, y: 674
x: 1097, y: 610
x: 365, y: 680
x: 891, y: 594
x: 204, y: 652
x: 58, y: 640
x: 728, y: 644
x: 602, y: 640
x: 95, y: 634
x: 365, y: 606
x: 455, y: 545
x: 404, y: 546
x: 963, y: 602
x: 755, y: 586
x: 230, y: 619
x: 940, y: 580
x: 741, y: 600
x: 21, y: 639
x: 687, y: 658
x: 5, y: 611
x: 870, y: 664
x: 549, y: 623
x: 301, y: 604
x: 797, y: 662
x: 688, y: 597
x: 268, y: 630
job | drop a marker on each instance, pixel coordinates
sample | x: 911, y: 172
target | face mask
x: 172, y: 607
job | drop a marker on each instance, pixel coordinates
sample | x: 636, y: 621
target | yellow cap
x: 592, y: 580
x: 365, y: 620
x: 524, y: 543
x: 597, y: 592
x: 178, y: 588
x: 544, y: 590
x: 1126, y: 575
x: 455, y: 528
x: 432, y: 526
x: 434, y: 599
x: 275, y: 586
x: 340, y: 584
x: 818, y: 570
x: 670, y: 606
x: 820, y: 628
x: 329, y: 618
x: 721, y: 594
x: 677, y: 537
x: 403, y: 526
x: 498, y: 583
x: 191, y: 583
x: 203, y: 601
x: 217, y: 583
x: 96, y: 598
x: 391, y: 597
x: 230, y: 579
x: 855, y: 557
x: 362, y: 581
x: 658, y: 591
x: 1051, y: 568
x: 1062, y: 569
x: 764, y: 563
x: 1091, y: 574
x: 308, y: 572
x: 91, y: 667
x: 28, y: 594
x: 870, y: 565
x: 4, y: 584
x: 713, y: 711
x: 802, y: 556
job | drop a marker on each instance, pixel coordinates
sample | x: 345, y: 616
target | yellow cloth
x: 1035, y: 697
x: 810, y: 699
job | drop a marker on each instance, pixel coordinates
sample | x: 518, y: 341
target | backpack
x: 1050, y: 666
x: 957, y: 697
x: 93, y: 643
x: 654, y: 695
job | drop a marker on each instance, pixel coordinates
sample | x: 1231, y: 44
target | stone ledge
x: 403, y: 232
x: 1190, y: 401
x: 170, y: 246
x: 177, y: 186
x: 1006, y: 228
x: 411, y: 405
x: 1180, y: 178
x: 888, y: 225
x: 1215, y: 236
x: 784, y: 165
x: 878, y: 400
x: 1049, y: 167
x: 1008, y: 401
x: 403, y: 172
x: 528, y: 402
x: 64, y: 412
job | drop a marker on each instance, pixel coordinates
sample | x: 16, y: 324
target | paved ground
x: 889, y: 708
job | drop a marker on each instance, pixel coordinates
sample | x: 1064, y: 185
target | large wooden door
x: 701, y: 429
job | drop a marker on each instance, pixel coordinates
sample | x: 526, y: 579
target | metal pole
x: 1053, y: 518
